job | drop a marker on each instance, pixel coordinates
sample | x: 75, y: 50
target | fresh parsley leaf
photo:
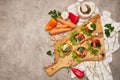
x: 81, y: 49
x: 93, y: 25
x: 49, y: 53
x: 107, y: 32
x: 78, y: 39
x: 109, y: 26
x: 109, y: 29
x: 54, y: 13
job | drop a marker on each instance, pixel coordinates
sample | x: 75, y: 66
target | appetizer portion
x: 88, y: 28
x: 79, y: 45
x: 77, y: 38
x: 64, y: 49
x: 81, y: 52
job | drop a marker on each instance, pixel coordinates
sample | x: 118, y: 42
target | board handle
x: 51, y: 69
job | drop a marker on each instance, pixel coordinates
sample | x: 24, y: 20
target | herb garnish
x: 88, y: 33
x: 59, y: 49
x: 54, y: 13
x: 92, y: 50
x: 72, y: 39
x: 49, y: 53
x: 81, y: 49
x: 77, y: 58
x: 109, y: 29
x: 67, y: 49
x: 93, y: 25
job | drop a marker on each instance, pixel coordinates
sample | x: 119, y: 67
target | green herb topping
x: 109, y: 29
x: 54, y: 13
x: 72, y: 39
x: 92, y: 50
x: 81, y: 49
x: 67, y: 49
x: 88, y: 33
x: 77, y: 58
x: 93, y: 25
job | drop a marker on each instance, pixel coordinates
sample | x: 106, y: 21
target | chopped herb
x: 74, y: 55
x: 67, y: 49
x: 78, y: 39
x: 98, y: 45
x: 93, y: 25
x: 92, y: 50
x: 77, y: 58
x: 73, y: 41
x: 81, y: 49
x: 109, y: 29
x: 54, y: 13
x: 49, y: 53
x: 88, y: 33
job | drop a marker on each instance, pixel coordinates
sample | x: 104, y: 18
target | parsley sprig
x: 54, y: 13
x: 109, y: 29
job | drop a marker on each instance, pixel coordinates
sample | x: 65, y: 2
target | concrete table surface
x: 24, y: 41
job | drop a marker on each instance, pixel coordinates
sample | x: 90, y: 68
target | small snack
x: 81, y: 52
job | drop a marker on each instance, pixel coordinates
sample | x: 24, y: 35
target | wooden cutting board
x: 68, y: 60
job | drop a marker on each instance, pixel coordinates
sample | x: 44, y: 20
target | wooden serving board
x: 68, y: 60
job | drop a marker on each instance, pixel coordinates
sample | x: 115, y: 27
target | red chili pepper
x: 73, y: 18
x: 78, y: 72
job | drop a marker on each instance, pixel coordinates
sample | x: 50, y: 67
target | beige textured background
x: 24, y: 42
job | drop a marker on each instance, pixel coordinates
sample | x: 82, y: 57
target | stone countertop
x: 24, y: 41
